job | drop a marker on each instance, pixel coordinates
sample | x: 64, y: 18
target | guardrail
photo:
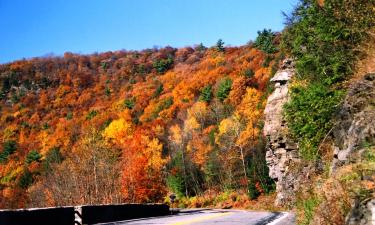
x: 40, y: 216
x: 80, y: 215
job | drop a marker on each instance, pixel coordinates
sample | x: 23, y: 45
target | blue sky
x: 30, y: 28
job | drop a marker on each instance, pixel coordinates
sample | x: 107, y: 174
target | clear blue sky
x: 30, y: 28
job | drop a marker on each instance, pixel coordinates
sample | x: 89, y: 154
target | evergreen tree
x: 220, y: 45
x: 206, y: 94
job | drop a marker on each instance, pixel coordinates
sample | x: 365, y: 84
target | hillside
x: 131, y: 126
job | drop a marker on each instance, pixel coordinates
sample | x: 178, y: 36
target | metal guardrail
x: 81, y: 215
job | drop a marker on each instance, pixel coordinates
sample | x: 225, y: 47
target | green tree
x: 264, y: 41
x: 32, y: 156
x: 26, y: 179
x: 200, y: 48
x: 91, y: 114
x: 53, y: 156
x: 69, y: 115
x: 176, y: 184
x: 9, y: 147
x: 162, y: 65
x: 249, y: 73
x: 220, y: 45
x: 158, y: 91
x: 224, y: 88
x: 129, y: 103
x: 206, y: 94
x: 253, y: 192
x: 107, y: 91
x: 104, y: 65
x: 164, y: 104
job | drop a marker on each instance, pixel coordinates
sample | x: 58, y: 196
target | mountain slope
x: 129, y: 126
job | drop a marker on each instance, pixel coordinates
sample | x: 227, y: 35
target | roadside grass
x: 227, y: 200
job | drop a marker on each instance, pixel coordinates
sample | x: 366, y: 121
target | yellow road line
x: 202, y: 218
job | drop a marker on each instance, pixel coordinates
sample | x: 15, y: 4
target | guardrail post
x: 78, y: 215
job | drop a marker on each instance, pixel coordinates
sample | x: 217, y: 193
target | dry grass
x: 229, y: 200
x: 336, y: 194
x: 367, y: 64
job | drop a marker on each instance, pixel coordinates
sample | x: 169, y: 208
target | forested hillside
x: 133, y: 126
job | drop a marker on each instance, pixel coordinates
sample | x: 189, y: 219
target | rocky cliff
x: 352, y: 167
x: 282, y: 152
x: 354, y: 146
x: 355, y: 126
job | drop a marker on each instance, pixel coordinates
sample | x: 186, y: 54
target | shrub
x: 224, y: 88
x: 309, y: 115
x: 253, y: 192
x: 257, y: 170
x: 264, y: 41
x: 323, y: 39
x: 308, y: 207
x: 176, y: 184
x: 206, y: 94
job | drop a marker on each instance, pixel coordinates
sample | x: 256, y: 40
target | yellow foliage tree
x: 153, y: 152
x: 118, y: 130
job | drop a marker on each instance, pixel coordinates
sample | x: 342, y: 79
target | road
x: 215, y: 217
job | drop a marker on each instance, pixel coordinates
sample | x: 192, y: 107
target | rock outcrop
x: 354, y: 136
x: 362, y: 213
x: 282, y: 152
x: 355, y: 126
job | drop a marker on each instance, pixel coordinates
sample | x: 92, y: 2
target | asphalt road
x: 215, y: 217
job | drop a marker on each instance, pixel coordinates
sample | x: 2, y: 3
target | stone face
x: 283, y: 76
x: 362, y: 214
x: 282, y: 152
x: 355, y: 125
x: 354, y: 130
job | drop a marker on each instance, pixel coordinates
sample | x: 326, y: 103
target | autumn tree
x: 88, y: 176
x: 142, y: 165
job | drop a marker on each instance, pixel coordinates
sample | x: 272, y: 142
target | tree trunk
x: 243, y: 165
x: 184, y: 168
